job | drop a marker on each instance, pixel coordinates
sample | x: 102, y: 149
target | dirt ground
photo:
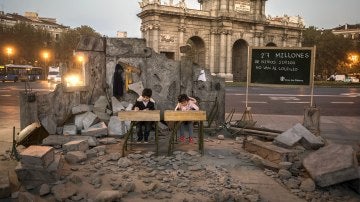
x: 224, y: 173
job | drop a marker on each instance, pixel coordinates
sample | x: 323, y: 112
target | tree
x: 69, y: 40
x: 331, y: 50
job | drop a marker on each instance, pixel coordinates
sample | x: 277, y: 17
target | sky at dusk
x: 109, y: 16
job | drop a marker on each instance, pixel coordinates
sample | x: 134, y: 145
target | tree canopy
x: 332, y: 51
x: 28, y: 43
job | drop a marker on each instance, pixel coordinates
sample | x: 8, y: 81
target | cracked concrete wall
x: 167, y: 78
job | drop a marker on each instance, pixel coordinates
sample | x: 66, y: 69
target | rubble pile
x: 301, y: 162
x: 106, y: 176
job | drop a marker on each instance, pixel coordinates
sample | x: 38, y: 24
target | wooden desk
x: 134, y: 116
x: 180, y: 116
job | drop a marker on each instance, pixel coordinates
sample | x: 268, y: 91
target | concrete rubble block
x: 355, y: 184
x: 137, y: 87
x: 62, y: 192
x: 116, y: 127
x: 268, y: 151
x: 76, y: 145
x: 37, y: 156
x: 129, y: 107
x: 69, y: 130
x: 103, y: 116
x: 36, y: 176
x: 125, y: 104
x: 79, y: 109
x: 79, y: 121
x: 63, y: 139
x: 116, y: 105
x: 97, y: 130
x: 49, y: 124
x: 332, y: 164
x: 5, y: 190
x: 74, y: 157
x: 101, y: 104
x: 89, y: 120
x: 298, y: 133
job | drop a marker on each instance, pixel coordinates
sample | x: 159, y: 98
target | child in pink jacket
x: 186, y: 103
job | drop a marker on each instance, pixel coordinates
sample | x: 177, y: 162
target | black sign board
x: 281, y: 66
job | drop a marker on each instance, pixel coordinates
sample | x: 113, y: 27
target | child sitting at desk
x: 144, y: 102
x: 186, y: 103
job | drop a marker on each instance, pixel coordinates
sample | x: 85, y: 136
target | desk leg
x: 127, y: 138
x: 171, y: 140
x: 201, y: 138
x: 157, y: 138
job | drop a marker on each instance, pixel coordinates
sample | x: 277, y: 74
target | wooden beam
x: 170, y: 115
x: 148, y: 115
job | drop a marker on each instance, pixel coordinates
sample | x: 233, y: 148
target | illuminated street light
x: 9, y: 51
x: 46, y: 56
x: 354, y: 58
x: 81, y: 60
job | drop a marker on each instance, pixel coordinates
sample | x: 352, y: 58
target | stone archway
x: 239, y: 60
x: 271, y: 44
x: 197, y: 52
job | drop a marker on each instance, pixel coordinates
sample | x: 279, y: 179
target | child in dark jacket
x: 144, y: 102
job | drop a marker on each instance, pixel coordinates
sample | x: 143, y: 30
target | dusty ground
x: 224, y: 173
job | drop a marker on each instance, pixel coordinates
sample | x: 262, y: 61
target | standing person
x: 144, y: 102
x: 186, y: 103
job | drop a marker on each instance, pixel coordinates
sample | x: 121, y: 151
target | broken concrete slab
x: 101, y: 104
x: 332, y: 164
x: 116, y: 106
x: 103, y: 116
x: 49, y: 124
x: 37, y: 156
x: 355, y: 184
x: 97, y: 130
x: 5, y: 190
x: 69, y: 130
x: 79, y: 121
x: 36, y: 176
x: 74, y: 157
x: 76, y: 145
x: 299, y: 133
x: 137, y: 87
x: 79, y: 109
x: 268, y: 151
x: 63, y: 139
x: 116, y: 127
x: 89, y: 120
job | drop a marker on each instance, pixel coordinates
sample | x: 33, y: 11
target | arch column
x: 212, y: 51
x: 181, y: 30
x: 228, y: 52
x: 222, y: 53
x: 155, y: 36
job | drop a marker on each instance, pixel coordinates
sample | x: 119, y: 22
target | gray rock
x: 332, y: 164
x: 308, y: 185
x: 74, y: 157
x: 44, y: 190
x: 284, y: 174
x: 108, y: 196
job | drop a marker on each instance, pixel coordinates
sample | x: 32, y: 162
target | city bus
x: 13, y: 72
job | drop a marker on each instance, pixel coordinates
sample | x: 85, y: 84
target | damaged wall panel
x: 143, y: 68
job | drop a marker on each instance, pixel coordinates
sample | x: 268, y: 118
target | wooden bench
x: 134, y: 116
x: 179, y: 117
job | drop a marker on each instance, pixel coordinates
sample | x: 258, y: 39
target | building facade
x: 348, y: 31
x: 32, y: 18
x: 216, y: 36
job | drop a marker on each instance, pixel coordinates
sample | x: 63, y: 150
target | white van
x: 54, y: 74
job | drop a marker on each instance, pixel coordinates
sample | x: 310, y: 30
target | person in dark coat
x: 144, y: 102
